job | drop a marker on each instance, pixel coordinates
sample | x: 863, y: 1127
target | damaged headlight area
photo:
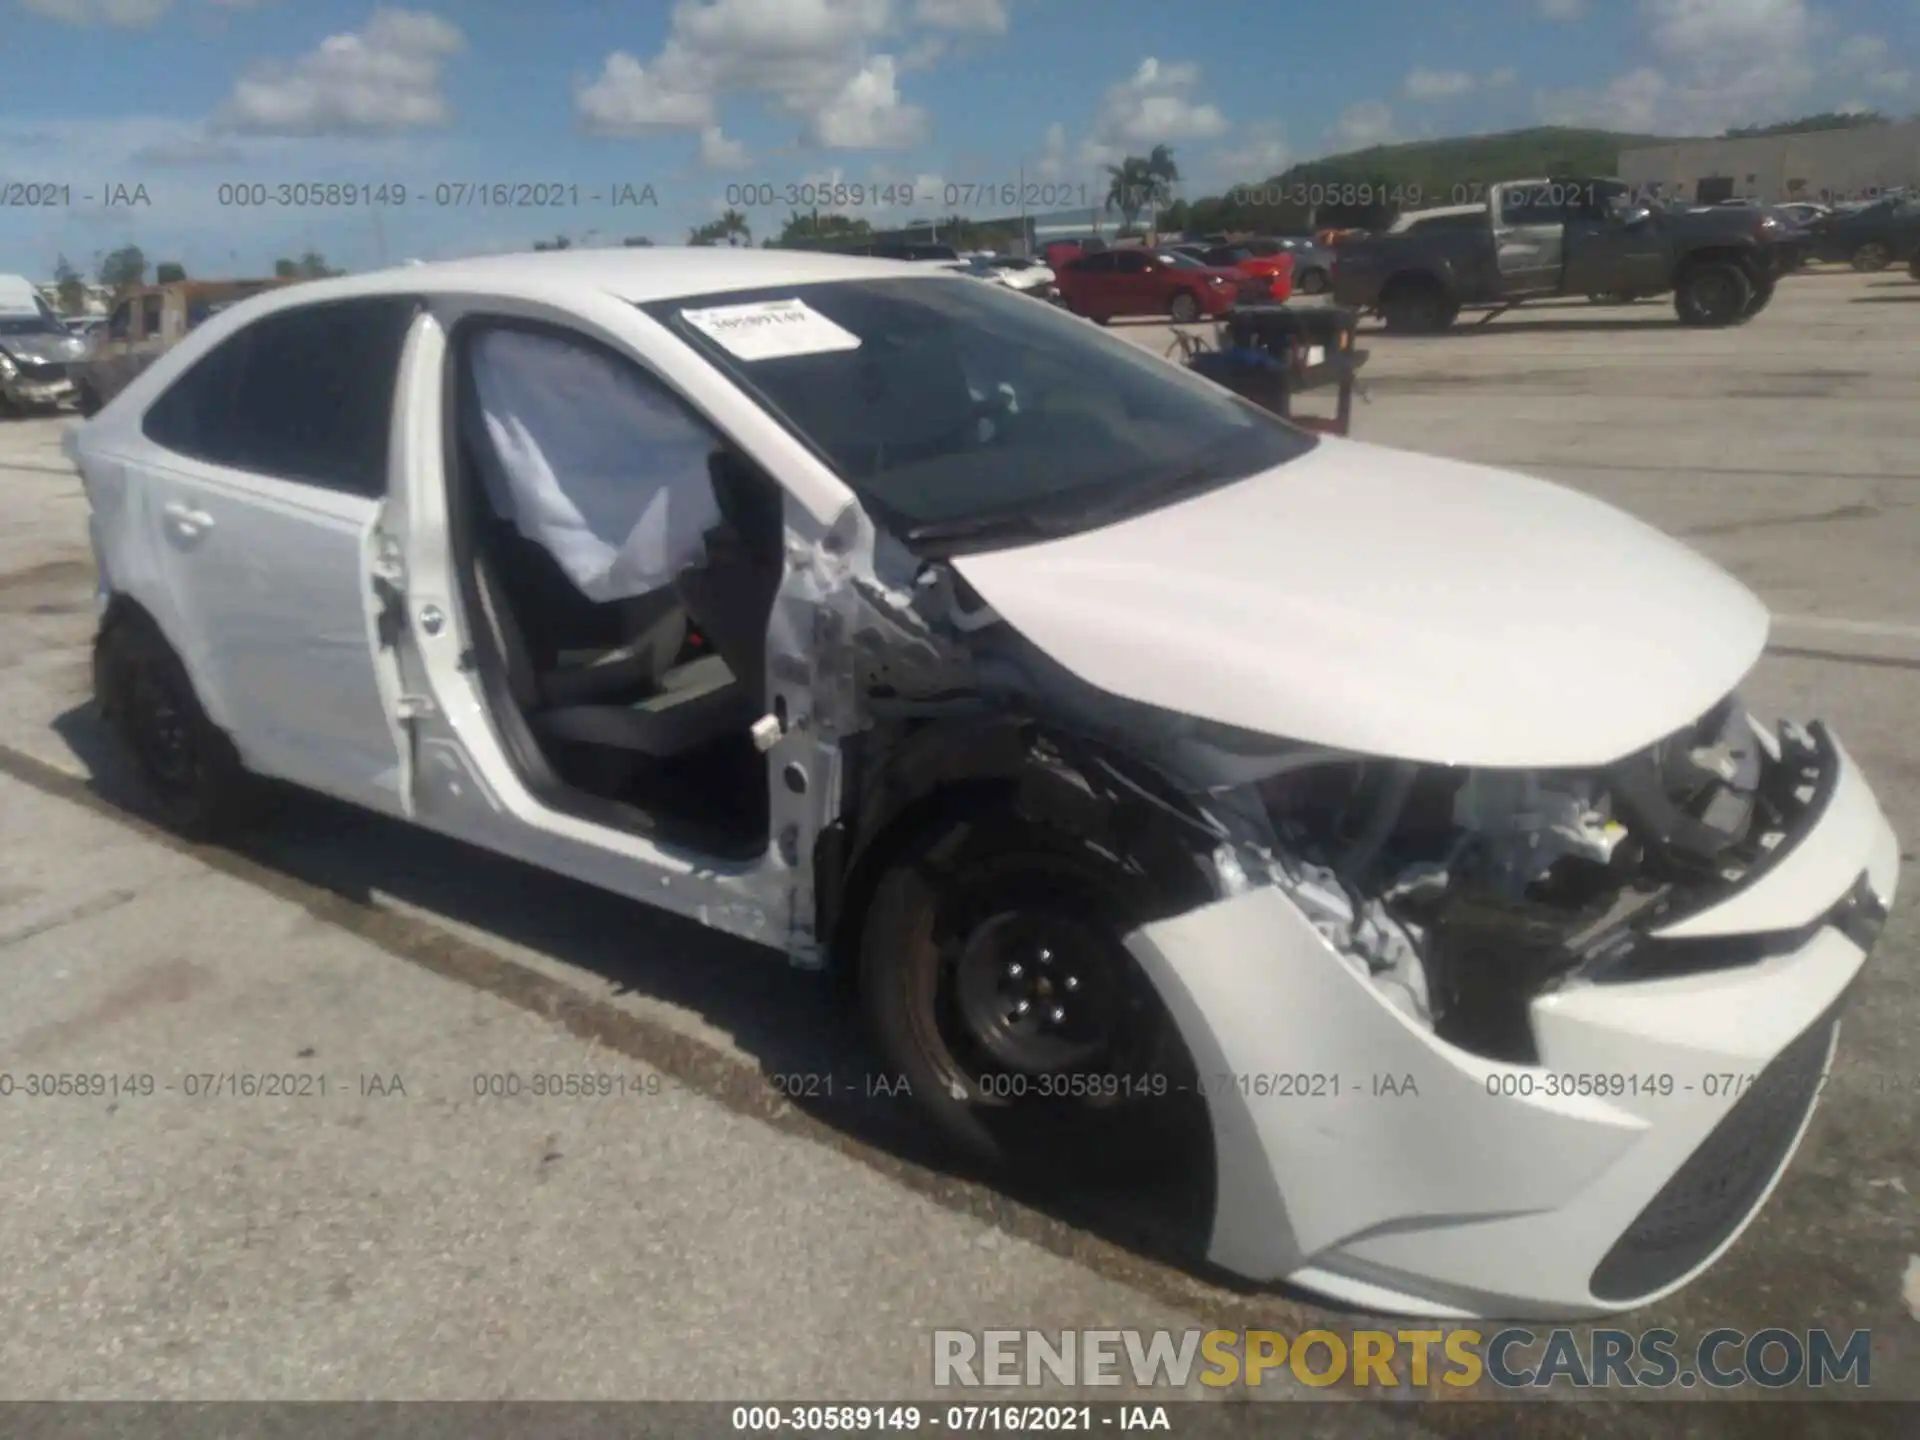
x: 1464, y: 894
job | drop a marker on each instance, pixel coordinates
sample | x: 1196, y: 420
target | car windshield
x: 967, y: 416
x: 30, y: 325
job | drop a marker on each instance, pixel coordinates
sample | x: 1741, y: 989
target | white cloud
x: 1713, y: 64
x: 1864, y: 58
x: 381, y: 79
x: 1501, y: 78
x: 989, y: 16
x: 121, y: 14
x: 1424, y: 84
x: 628, y: 97
x: 811, y: 57
x: 718, y: 152
x: 1152, y: 107
x: 1368, y: 123
x: 868, y: 114
x: 1562, y: 10
x: 1261, y: 152
x: 1629, y: 102
x: 1053, y: 154
x: 189, y: 150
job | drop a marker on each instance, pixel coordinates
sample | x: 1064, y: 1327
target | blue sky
x: 940, y: 98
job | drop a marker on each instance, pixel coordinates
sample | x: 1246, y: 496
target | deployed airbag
x: 591, y: 461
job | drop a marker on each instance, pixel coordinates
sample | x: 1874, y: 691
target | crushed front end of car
x: 1519, y: 1042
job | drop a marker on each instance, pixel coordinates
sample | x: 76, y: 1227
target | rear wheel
x: 1761, y: 295
x: 1713, y: 293
x: 994, y: 979
x: 1417, y: 306
x: 86, y: 400
x: 1312, y: 282
x: 187, y: 767
x: 1185, y: 309
x: 1871, y: 257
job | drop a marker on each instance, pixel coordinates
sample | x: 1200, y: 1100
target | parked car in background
x: 1805, y: 212
x: 145, y: 325
x: 37, y: 351
x: 1539, y: 238
x: 1312, y: 261
x: 1029, y: 276
x: 1138, y: 282
x: 915, y: 251
x: 1263, y: 277
x: 1870, y: 237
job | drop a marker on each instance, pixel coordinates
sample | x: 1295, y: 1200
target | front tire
x: 1713, y: 294
x: 1185, y: 309
x: 1913, y: 267
x: 1762, y: 294
x: 1871, y: 258
x: 189, y: 771
x: 1314, y: 282
x: 994, y: 979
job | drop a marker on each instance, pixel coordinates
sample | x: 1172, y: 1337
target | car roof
x: 637, y: 274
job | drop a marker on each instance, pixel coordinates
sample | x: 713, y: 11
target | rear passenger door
x: 267, y: 468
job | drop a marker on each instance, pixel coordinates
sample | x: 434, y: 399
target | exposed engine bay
x: 1466, y: 893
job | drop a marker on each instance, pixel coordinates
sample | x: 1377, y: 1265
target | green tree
x: 804, y: 229
x: 559, y: 242
x: 1806, y: 124
x: 124, y: 269
x: 730, y: 229
x: 640, y: 240
x: 313, y: 266
x: 71, y: 286
x: 285, y: 269
x: 168, y: 271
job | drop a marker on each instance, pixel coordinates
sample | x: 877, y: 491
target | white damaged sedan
x: 1155, y: 767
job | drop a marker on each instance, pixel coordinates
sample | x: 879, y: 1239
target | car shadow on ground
x: 797, y: 1033
x: 1906, y: 299
x: 1474, y: 328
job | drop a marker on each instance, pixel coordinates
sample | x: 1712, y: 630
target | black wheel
x: 1872, y: 257
x: 1713, y: 293
x: 1184, y: 309
x: 86, y: 399
x: 1758, y: 302
x: 1417, y: 307
x: 1312, y: 282
x: 994, y: 978
x: 1913, y: 267
x: 187, y: 766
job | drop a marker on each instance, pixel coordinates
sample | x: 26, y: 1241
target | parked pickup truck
x: 144, y: 326
x: 1541, y: 238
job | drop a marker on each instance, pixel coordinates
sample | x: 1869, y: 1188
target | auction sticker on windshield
x: 771, y: 330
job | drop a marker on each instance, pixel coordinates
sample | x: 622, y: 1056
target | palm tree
x: 1132, y: 185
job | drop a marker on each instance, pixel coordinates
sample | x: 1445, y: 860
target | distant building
x: 1821, y: 165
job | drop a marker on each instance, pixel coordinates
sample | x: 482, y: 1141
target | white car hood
x: 1396, y: 605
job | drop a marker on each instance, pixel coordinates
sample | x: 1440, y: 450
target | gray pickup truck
x: 1542, y: 238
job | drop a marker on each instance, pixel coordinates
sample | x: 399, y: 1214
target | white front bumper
x: 1384, y: 1167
